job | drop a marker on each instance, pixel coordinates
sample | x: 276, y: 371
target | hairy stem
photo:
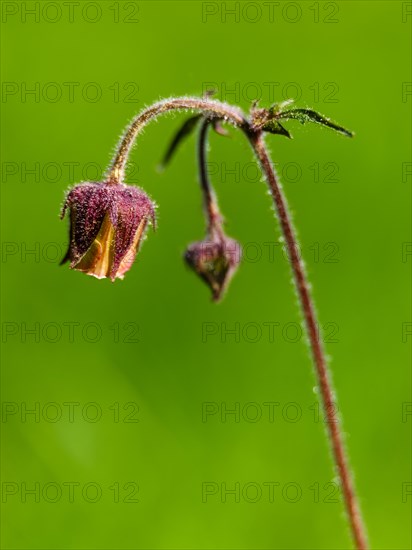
x: 214, y: 216
x: 217, y: 110
x: 214, y: 108
x: 319, y: 358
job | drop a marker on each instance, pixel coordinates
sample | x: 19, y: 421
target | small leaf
x: 307, y: 115
x: 184, y: 131
x: 274, y: 127
x: 276, y: 108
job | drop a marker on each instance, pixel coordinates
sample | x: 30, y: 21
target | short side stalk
x: 213, y: 214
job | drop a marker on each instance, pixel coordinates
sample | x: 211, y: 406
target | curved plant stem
x: 214, y: 216
x: 213, y: 110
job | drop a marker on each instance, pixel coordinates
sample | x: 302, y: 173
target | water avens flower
x: 108, y: 221
x: 215, y: 260
x: 107, y: 225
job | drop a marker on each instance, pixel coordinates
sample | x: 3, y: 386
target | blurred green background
x: 149, y: 364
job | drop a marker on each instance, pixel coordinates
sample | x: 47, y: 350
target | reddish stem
x: 213, y: 214
x: 322, y: 374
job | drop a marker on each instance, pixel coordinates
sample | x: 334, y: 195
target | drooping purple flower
x: 215, y: 260
x: 107, y: 223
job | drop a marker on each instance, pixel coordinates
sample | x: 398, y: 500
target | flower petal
x: 99, y: 257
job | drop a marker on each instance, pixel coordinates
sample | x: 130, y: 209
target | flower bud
x: 215, y: 260
x: 107, y: 224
